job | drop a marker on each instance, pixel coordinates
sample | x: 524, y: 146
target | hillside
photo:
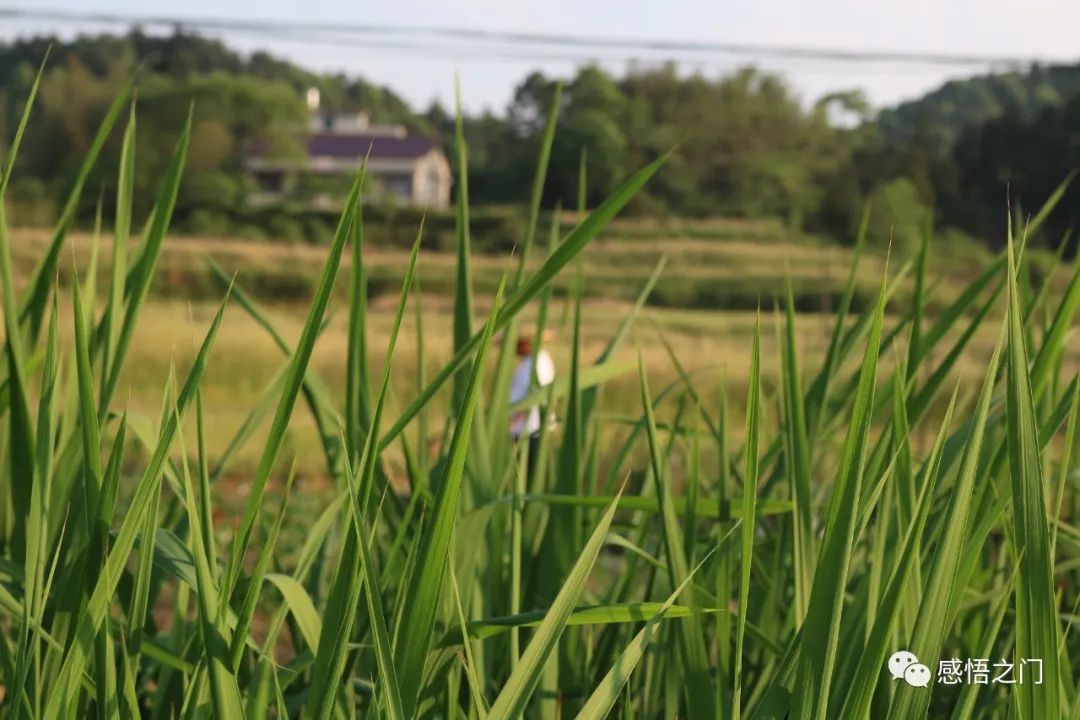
x: 741, y: 146
x: 940, y: 117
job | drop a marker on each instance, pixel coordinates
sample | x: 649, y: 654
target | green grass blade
x: 295, y: 379
x: 140, y: 596
x: 1037, y: 628
x: 224, y: 691
x: 532, y: 287
x: 798, y: 465
x: 515, y: 694
x: 138, y: 281
x: 387, y: 684
x: 874, y: 653
x: 603, y: 697
x: 121, y: 234
x: 819, y: 390
x: 88, y: 423
x: 699, y: 691
x: 463, y: 292
x: 1053, y: 344
x: 340, y: 610
x: 749, y: 524
x: 37, y: 533
x: 422, y: 598
x: 477, y: 690
x: 20, y: 130
x: 35, y: 296
x: 1072, y: 428
x: 819, y: 641
x: 20, y: 449
x: 246, y: 611
x: 67, y: 684
x: 501, y: 382
x: 358, y: 372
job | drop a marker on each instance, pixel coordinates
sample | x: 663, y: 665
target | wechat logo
x: 903, y: 665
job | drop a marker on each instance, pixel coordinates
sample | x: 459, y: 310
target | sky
x: 1045, y: 29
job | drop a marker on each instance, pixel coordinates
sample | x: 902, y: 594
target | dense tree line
x: 744, y: 144
x: 235, y: 99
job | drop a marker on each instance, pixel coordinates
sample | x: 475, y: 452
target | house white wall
x: 425, y: 181
x: 432, y: 180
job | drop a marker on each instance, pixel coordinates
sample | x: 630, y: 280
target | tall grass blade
x: 530, y: 289
x: 121, y: 234
x: 749, y: 520
x: 142, y: 273
x: 1037, y: 629
x: 67, y: 683
x: 515, y: 694
x: 693, y: 655
x: 819, y: 640
x: 422, y: 597
x: 35, y: 296
x: 295, y: 379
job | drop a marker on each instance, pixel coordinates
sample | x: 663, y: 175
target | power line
x: 528, y: 45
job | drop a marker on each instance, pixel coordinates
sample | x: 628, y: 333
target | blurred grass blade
x: 16, y: 141
x: 35, y: 295
x: 477, y: 690
x: 424, y: 591
x: 358, y: 372
x: 225, y: 692
x: 798, y: 445
x: 295, y: 379
x: 121, y: 233
x: 341, y: 604
x: 67, y: 683
x: 142, y: 274
x: 933, y: 618
x: 20, y: 435
x: 463, y: 292
x: 749, y: 521
x: 603, y: 698
x: 515, y: 694
x: 528, y: 290
x: 387, y: 684
x: 874, y: 654
x: 694, y: 657
x: 819, y: 641
x: 246, y: 611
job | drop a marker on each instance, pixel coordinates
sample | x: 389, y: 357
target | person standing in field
x: 526, y: 421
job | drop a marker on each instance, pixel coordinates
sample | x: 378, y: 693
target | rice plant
x: 681, y: 567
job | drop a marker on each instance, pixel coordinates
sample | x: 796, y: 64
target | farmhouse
x: 400, y: 168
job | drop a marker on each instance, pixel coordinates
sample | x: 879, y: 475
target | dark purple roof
x: 356, y: 145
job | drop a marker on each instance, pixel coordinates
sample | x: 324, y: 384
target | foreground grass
x: 868, y: 503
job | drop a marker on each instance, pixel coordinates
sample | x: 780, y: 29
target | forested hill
x: 236, y: 98
x: 942, y: 115
x: 744, y: 144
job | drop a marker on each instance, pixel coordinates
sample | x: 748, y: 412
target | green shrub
x: 898, y: 215
x: 286, y: 228
x: 209, y: 222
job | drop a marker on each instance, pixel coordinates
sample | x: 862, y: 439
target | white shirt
x: 524, y: 422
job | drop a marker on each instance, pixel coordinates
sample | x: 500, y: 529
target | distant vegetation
x: 745, y: 145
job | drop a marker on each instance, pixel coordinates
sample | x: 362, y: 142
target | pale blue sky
x: 1039, y: 28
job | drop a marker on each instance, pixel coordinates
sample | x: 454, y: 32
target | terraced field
x: 703, y: 307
